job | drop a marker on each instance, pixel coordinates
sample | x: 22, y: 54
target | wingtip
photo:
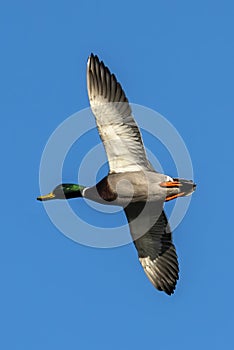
x: 89, y: 58
x: 93, y: 57
x: 92, y: 60
x: 170, y: 292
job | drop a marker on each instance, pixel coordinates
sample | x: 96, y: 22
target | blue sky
x: 173, y: 56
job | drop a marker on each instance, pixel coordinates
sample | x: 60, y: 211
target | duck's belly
x: 121, y: 189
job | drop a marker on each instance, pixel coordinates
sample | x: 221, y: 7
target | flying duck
x: 131, y: 182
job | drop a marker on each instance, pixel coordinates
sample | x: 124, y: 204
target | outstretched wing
x: 118, y: 130
x: 156, y: 251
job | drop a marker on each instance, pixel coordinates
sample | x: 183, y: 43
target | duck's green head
x: 63, y: 191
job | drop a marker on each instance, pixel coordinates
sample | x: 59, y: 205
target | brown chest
x: 105, y: 190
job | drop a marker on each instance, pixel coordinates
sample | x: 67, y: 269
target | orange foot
x: 170, y: 184
x: 169, y: 198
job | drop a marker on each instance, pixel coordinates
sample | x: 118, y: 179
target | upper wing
x: 117, y: 128
x: 156, y: 251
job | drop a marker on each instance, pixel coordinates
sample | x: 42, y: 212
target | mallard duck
x: 131, y: 182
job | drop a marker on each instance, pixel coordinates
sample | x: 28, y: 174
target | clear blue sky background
x: 175, y: 57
